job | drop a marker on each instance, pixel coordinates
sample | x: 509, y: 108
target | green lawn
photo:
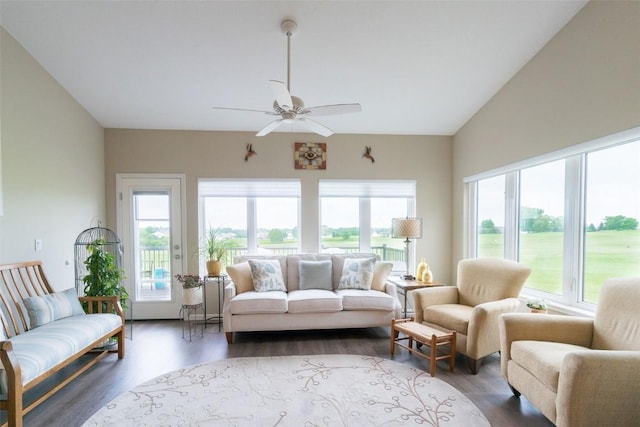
x: 608, y: 254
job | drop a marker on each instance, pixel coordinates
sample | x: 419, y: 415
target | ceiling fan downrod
x: 288, y: 26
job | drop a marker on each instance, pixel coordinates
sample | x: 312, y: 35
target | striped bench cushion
x: 40, y: 349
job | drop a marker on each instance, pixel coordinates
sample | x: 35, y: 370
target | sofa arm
x: 230, y: 291
x: 542, y: 327
x: 423, y: 298
x: 599, y: 387
x: 391, y: 289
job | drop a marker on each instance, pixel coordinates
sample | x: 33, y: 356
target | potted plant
x: 537, y: 305
x: 104, y: 278
x: 191, y: 288
x: 215, y: 248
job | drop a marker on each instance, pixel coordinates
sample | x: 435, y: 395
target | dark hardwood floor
x: 158, y: 347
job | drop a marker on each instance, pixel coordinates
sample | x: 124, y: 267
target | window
x: 612, y: 238
x: 491, y: 217
x: 541, y: 225
x: 260, y: 216
x: 571, y: 216
x: 355, y: 216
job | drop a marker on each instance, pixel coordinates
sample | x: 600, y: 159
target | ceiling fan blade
x: 271, y: 113
x: 315, y: 126
x: 270, y: 127
x: 282, y: 95
x: 327, y: 110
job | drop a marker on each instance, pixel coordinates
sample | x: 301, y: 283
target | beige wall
x: 426, y: 159
x: 584, y: 84
x: 52, y: 166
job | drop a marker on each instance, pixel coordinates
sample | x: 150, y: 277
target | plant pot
x: 214, y: 268
x: 537, y: 310
x: 192, y: 296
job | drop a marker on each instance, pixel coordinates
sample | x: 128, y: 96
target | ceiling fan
x: 291, y: 108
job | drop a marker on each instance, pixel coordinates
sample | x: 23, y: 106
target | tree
x: 591, y: 228
x: 488, y: 227
x: 277, y: 236
x: 619, y: 222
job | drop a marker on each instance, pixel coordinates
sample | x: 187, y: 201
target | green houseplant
x: 537, y: 305
x: 215, y: 248
x: 104, y: 278
x: 191, y: 288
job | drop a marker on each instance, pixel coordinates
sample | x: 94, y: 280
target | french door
x: 150, y: 223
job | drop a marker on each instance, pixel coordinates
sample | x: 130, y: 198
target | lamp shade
x: 410, y: 228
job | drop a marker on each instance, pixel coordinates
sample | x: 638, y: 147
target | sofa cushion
x: 266, y: 275
x: 454, y: 317
x: 381, y: 272
x: 253, y: 302
x: 543, y: 359
x: 57, y: 305
x: 315, y: 275
x: 357, y: 299
x: 240, y: 275
x: 314, y: 301
x: 293, y: 266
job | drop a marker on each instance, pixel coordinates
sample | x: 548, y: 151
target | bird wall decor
x: 250, y: 152
x: 367, y: 153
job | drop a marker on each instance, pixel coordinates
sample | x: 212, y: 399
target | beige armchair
x: 579, y: 371
x: 487, y: 288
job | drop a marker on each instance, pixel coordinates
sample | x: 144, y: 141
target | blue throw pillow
x: 267, y: 275
x: 57, y: 305
x: 315, y: 275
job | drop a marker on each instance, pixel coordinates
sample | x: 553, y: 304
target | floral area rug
x: 315, y: 390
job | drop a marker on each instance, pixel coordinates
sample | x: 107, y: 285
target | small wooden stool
x: 426, y: 335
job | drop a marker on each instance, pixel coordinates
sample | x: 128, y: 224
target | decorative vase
x: 214, y: 267
x: 427, y: 276
x: 192, y: 296
x: 420, y: 270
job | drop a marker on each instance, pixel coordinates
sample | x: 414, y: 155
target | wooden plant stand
x: 426, y: 335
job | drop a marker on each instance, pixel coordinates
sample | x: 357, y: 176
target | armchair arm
x: 483, y: 336
x: 599, y: 387
x: 423, y: 298
x: 542, y: 327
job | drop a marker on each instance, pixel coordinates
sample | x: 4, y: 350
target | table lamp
x: 407, y: 228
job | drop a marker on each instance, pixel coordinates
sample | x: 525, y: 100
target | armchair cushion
x: 454, y: 317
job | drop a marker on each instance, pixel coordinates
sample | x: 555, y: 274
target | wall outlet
x: 37, y: 244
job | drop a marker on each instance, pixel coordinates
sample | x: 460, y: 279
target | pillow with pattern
x: 357, y: 273
x: 267, y: 275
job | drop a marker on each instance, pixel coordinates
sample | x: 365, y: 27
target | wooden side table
x: 404, y: 286
x: 426, y: 335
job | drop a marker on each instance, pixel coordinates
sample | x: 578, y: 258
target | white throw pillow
x: 357, y: 273
x: 381, y: 272
x: 267, y: 275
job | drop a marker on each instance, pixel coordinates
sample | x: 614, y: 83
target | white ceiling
x: 417, y: 67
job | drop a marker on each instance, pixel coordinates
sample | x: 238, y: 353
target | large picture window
x: 260, y: 216
x: 572, y: 217
x: 355, y: 216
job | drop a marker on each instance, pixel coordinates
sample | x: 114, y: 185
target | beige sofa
x: 579, y: 371
x: 246, y: 309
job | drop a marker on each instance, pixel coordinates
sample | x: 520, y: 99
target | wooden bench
x: 427, y: 335
x: 104, y: 319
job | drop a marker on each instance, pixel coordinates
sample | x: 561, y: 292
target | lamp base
x: 408, y: 277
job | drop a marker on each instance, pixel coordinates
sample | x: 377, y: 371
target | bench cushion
x: 43, y: 348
